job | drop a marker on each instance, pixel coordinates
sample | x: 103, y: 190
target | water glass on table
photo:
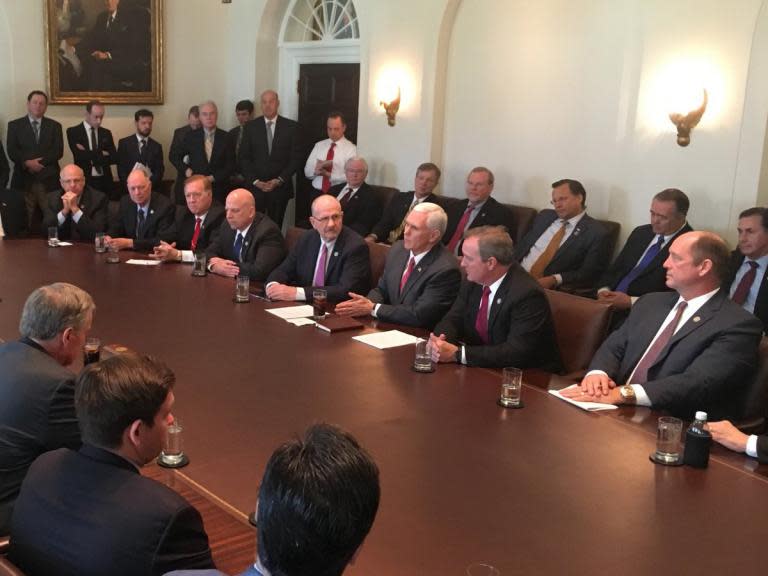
x: 511, y: 388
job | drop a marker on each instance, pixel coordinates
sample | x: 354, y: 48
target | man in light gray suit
x: 421, y: 277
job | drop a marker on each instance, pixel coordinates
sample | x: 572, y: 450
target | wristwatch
x: 627, y: 394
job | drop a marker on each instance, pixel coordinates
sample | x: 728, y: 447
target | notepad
x: 588, y: 406
x: 388, y: 339
x: 303, y: 311
x: 140, y: 262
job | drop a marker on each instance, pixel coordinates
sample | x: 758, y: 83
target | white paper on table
x: 140, y: 262
x: 588, y: 406
x: 303, y: 311
x: 300, y: 321
x: 62, y: 243
x: 388, y: 339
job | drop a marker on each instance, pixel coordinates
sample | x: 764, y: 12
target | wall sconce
x: 392, y: 107
x: 686, y: 123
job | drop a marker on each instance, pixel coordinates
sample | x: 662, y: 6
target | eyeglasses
x: 333, y: 217
x: 72, y: 180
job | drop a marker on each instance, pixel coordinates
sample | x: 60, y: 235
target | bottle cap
x: 701, y: 416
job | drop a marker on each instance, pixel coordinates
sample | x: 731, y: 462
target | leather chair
x: 384, y: 194
x: 523, y: 217
x: 292, y: 236
x: 613, y: 234
x: 5, y: 542
x: 8, y: 569
x: 581, y: 325
x: 378, y: 255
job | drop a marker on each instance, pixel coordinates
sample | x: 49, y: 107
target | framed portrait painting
x: 110, y: 50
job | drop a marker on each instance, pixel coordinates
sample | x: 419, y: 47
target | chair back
x: 9, y: 569
x: 581, y: 325
x: 384, y: 194
x: 522, y: 219
x: 378, y: 255
x: 292, y: 236
x: 613, y: 229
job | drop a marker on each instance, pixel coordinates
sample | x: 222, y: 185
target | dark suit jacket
x: 159, y: 223
x: 13, y: 212
x: 493, y: 213
x: 128, y: 155
x: 221, y: 166
x: 91, y: 513
x: 653, y: 278
x: 256, y: 163
x: 348, y: 269
x: 394, y: 213
x: 707, y: 365
x: 176, y: 157
x: 22, y: 146
x: 429, y: 292
x: 762, y: 449
x: 185, y: 227
x: 520, y: 325
x: 263, y: 248
x: 581, y: 259
x: 761, y: 304
x: 37, y: 414
x: 5, y: 170
x: 103, y: 157
x: 93, y: 205
x: 363, y: 211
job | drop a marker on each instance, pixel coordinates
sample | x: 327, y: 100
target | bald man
x: 247, y: 243
x: 331, y: 256
x: 77, y: 210
x: 145, y: 218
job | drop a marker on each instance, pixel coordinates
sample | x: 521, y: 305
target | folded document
x: 588, y: 406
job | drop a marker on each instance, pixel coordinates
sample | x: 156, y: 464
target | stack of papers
x: 588, y: 406
x: 140, y: 262
x: 291, y: 312
x: 388, y: 339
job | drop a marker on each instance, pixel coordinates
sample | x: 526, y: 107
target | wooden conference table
x: 543, y: 490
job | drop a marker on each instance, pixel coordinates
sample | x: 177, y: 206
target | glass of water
x: 173, y: 447
x: 422, y: 361
x: 668, y: 440
x: 99, y: 243
x: 53, y: 236
x: 511, y: 388
x: 241, y: 289
x: 199, y: 266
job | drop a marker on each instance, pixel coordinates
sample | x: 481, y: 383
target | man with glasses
x: 362, y: 208
x: 77, y: 210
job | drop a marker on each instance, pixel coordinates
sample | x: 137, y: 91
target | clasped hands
x: 268, y: 185
x: 597, y: 387
x: 69, y: 203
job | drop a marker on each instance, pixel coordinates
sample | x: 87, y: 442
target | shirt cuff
x: 558, y: 279
x: 76, y: 217
x: 603, y: 289
x: 301, y: 295
x: 752, y: 446
x: 187, y: 256
x: 641, y: 398
x: 632, y: 300
x: 375, y: 311
x: 61, y: 218
x: 464, y: 355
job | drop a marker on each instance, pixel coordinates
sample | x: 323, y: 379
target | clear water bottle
x: 697, y: 442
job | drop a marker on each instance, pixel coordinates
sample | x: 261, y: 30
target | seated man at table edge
x: 501, y: 316
x: 421, y: 277
x: 683, y: 351
x: 77, y: 210
x: 145, y: 217
x: 732, y: 438
x: 195, y: 226
x: 37, y: 413
x: 247, y: 243
x: 332, y: 256
x: 91, y: 512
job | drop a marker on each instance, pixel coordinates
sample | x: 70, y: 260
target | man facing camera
x: 332, y: 256
x: 358, y: 200
x: 682, y: 351
x: 90, y: 512
x: 78, y: 211
x: 247, y: 243
x: 37, y: 413
x: 746, y: 281
x: 140, y: 151
x: 501, y: 316
x: 145, y: 219
x: 196, y: 225
x: 421, y: 277
x: 93, y: 148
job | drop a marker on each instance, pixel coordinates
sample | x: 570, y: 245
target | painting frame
x: 76, y: 77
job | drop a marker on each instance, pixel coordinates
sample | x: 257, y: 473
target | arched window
x: 322, y: 20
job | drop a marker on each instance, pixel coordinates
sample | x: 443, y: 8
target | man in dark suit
x: 732, y: 438
x: 35, y: 145
x: 37, y: 413
x: 140, y: 151
x: 479, y: 209
x: 358, y: 200
x: 332, y: 256
x: 565, y: 247
x: 501, y: 316
x: 683, y: 351
x: 392, y: 224
x: 243, y: 114
x: 5, y: 170
x: 420, y: 279
x: 145, y: 218
x: 747, y: 283
x: 93, y: 148
x: 90, y: 512
x: 210, y: 152
x: 77, y: 210
x: 247, y: 243
x: 13, y: 214
x: 176, y: 151
x: 269, y: 157
x: 639, y: 267
x: 195, y: 225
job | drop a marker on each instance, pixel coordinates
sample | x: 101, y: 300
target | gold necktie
x: 208, y: 146
x: 396, y: 232
x: 537, y: 270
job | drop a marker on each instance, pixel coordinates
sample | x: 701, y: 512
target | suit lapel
x: 645, y: 331
x: 573, y: 239
x: 333, y: 257
x: 498, y: 300
x: 419, y: 269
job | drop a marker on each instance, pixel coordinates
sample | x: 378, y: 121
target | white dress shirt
x: 95, y: 171
x: 344, y: 151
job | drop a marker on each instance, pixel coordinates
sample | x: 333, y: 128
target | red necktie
x: 321, y: 263
x: 456, y: 238
x: 742, y: 290
x: 196, y: 234
x: 345, y: 197
x: 408, y: 270
x: 327, y: 179
x: 640, y: 376
x: 481, y: 322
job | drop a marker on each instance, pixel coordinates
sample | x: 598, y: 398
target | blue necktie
x: 652, y: 252
x: 238, y: 247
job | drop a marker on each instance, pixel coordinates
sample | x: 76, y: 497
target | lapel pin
x: 498, y: 300
x: 418, y: 269
x: 335, y: 253
x: 696, y: 318
x: 151, y: 211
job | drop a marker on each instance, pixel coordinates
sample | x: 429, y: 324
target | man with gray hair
x: 37, y: 413
x: 420, y: 279
x: 361, y: 206
x: 501, y: 315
